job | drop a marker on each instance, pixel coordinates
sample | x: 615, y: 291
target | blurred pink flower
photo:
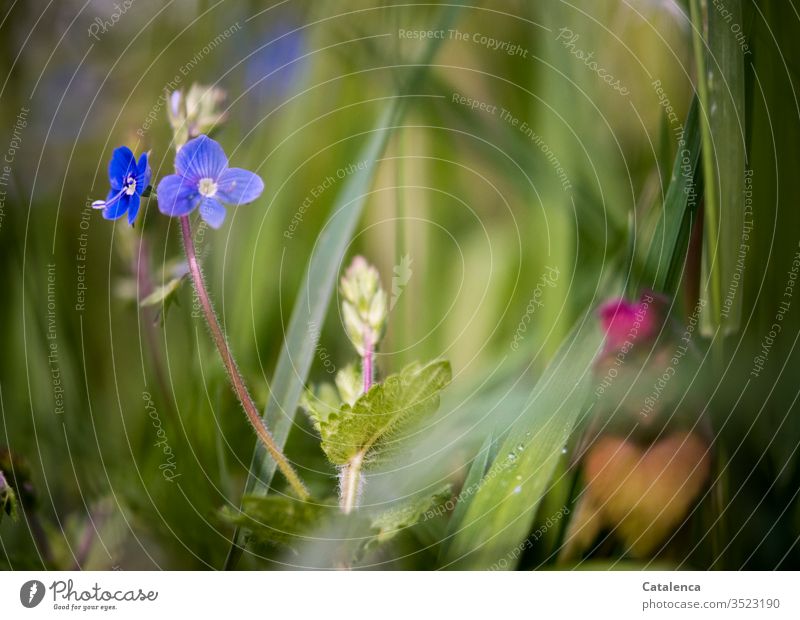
x: 625, y: 323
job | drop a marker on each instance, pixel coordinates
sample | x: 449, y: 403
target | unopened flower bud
x: 198, y: 112
x: 175, y: 105
x: 626, y: 323
x: 204, y: 108
x: 364, y: 304
x: 176, y: 113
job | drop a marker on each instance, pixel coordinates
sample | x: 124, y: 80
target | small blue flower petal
x: 204, y: 180
x: 238, y: 186
x: 128, y: 179
x: 133, y: 208
x: 117, y: 208
x: 122, y: 163
x: 176, y: 195
x: 212, y: 211
x: 142, y: 174
x: 201, y: 158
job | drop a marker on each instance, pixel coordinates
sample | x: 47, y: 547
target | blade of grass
x: 725, y: 158
x: 666, y: 249
x: 291, y: 372
x: 712, y: 289
x: 500, y: 515
x: 475, y: 474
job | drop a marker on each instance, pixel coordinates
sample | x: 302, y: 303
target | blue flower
x: 128, y: 180
x: 205, y: 181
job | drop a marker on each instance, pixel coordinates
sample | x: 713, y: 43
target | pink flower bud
x: 626, y: 323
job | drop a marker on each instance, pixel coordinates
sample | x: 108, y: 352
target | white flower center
x: 207, y: 187
x: 130, y: 186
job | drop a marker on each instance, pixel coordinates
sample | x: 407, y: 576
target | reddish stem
x: 230, y: 365
x: 367, y: 366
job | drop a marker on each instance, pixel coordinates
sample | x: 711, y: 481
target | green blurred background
x: 477, y: 206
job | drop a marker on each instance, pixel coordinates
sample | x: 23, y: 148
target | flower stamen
x: 130, y: 185
x: 102, y: 204
x: 207, y: 187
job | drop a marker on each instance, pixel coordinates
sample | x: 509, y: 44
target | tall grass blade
x: 725, y: 78
x: 474, y: 476
x: 663, y: 263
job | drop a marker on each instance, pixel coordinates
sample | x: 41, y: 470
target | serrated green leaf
x: 379, y: 417
x: 320, y: 402
x: 501, y: 514
x: 391, y: 522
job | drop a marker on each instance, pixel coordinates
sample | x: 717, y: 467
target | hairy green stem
x: 350, y: 482
x: 230, y: 365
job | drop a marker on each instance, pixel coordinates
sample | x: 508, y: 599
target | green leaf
x: 321, y: 402
x: 287, y: 522
x: 378, y: 419
x: 393, y: 521
x: 502, y: 511
x: 165, y: 295
x: 162, y: 293
x: 276, y: 520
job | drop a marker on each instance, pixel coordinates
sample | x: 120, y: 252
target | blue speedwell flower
x: 128, y: 180
x: 205, y: 181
